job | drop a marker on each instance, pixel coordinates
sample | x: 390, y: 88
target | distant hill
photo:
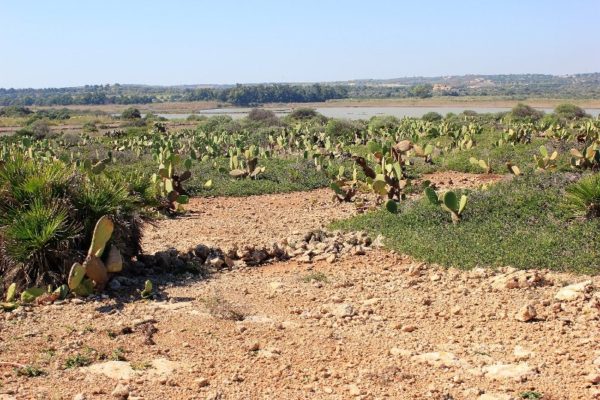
x: 577, y: 86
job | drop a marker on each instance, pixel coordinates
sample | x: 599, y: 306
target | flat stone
x: 495, y: 396
x: 118, y: 370
x: 521, y: 353
x: 343, y: 310
x: 518, y: 372
x: 573, y: 292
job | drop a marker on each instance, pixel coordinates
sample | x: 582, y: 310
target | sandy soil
x: 371, y: 326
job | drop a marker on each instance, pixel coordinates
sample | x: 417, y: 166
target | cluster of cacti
x: 345, y: 189
x: 387, y: 176
x: 93, y: 274
x: 29, y: 295
x: 520, y: 133
x: 449, y: 201
x: 95, y: 168
x: 168, y: 182
x: 248, y: 168
x: 588, y: 158
x: 546, y: 161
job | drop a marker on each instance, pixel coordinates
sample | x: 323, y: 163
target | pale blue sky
x: 67, y: 43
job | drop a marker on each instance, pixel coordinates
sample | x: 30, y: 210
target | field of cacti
x: 56, y: 186
x: 133, y: 218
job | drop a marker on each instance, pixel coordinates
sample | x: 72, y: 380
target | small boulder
x: 573, y: 292
x: 526, y: 313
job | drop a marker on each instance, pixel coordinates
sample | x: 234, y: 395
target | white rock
x: 494, y: 396
x: 573, y: 292
x: 521, y: 353
x: 518, y: 372
x: 343, y: 310
x: 119, y: 370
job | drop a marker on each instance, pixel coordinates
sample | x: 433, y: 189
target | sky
x: 62, y: 43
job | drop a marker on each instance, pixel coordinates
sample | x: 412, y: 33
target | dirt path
x: 370, y: 326
x: 264, y: 219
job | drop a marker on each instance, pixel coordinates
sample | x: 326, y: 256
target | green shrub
x: 47, y: 213
x: 432, y: 116
x: 383, y: 122
x: 304, y: 113
x: 342, y: 129
x: 525, y: 112
x: 15, y: 111
x: 265, y: 117
x: 583, y: 198
x: 131, y: 113
x: 569, y: 111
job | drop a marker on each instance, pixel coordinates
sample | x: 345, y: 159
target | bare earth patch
x: 256, y: 220
x: 372, y: 326
x: 261, y: 220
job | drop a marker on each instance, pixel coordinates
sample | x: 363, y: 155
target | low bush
x: 569, y: 111
x: 47, y: 213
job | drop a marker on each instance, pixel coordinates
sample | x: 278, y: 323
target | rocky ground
x: 342, y: 318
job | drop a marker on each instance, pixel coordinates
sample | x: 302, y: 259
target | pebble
x: 526, y: 313
x: 202, y: 382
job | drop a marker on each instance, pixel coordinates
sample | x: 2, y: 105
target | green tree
x: 421, y: 90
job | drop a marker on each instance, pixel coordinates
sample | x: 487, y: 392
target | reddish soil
x: 373, y: 326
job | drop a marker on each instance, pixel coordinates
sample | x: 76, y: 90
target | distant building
x: 442, y: 88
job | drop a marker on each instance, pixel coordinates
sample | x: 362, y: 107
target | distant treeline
x: 584, y: 86
x: 117, y: 94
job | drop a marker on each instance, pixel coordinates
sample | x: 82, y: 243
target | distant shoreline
x: 467, y: 102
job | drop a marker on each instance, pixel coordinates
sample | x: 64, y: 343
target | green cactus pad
x: 62, y: 291
x: 451, y: 201
x: 8, y: 306
x: 462, y: 204
x: 432, y: 196
x: 10, y: 292
x: 391, y: 206
x: 31, y: 294
x: 379, y: 187
x: 76, y: 276
x: 102, y: 233
x: 147, y: 292
x: 85, y: 289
